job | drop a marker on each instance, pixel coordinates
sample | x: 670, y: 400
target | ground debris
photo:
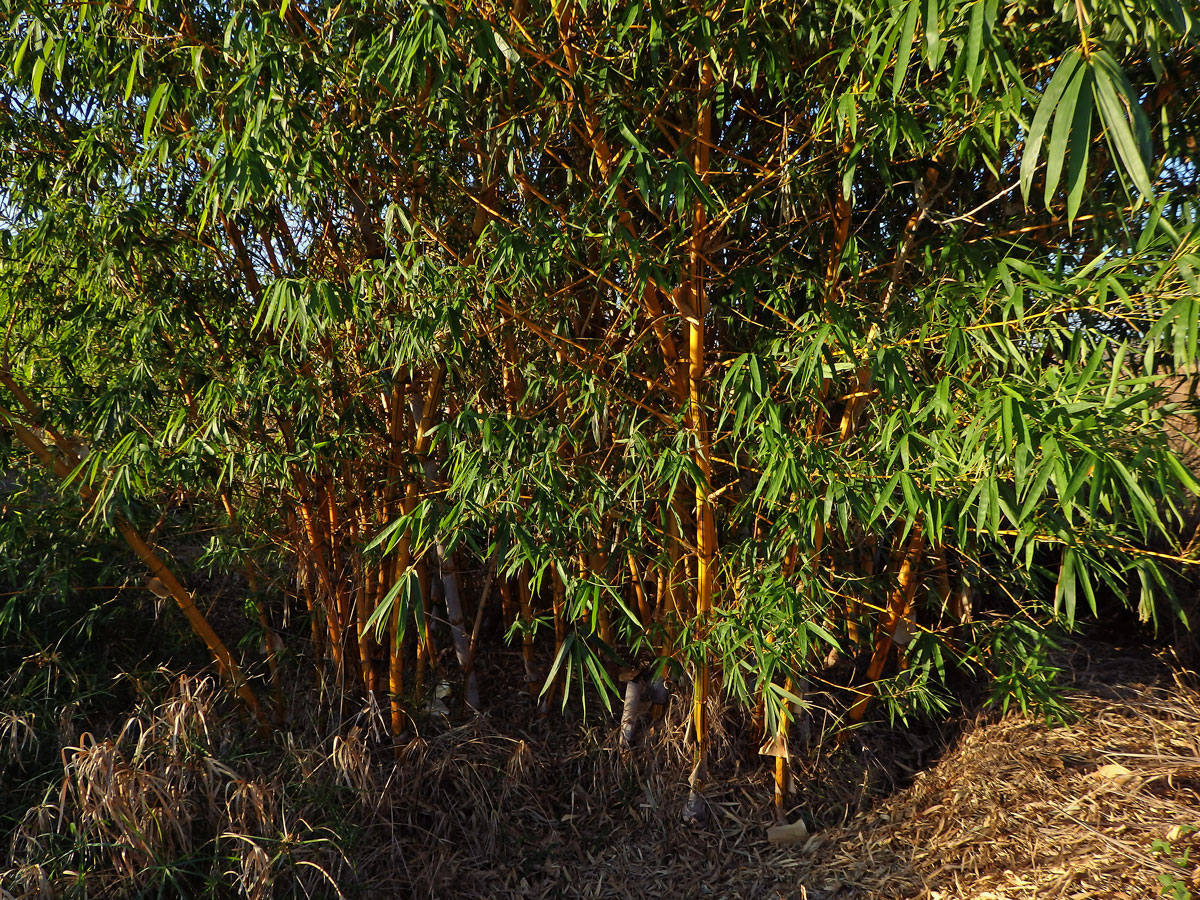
x: 1016, y: 808
x: 1022, y: 809
x: 505, y: 807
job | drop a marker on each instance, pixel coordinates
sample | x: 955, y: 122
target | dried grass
x: 1021, y: 810
x: 155, y: 805
x: 1015, y: 810
x: 516, y: 806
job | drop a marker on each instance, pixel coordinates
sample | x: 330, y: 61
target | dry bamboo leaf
x: 788, y: 834
x: 775, y: 745
x: 1114, y: 772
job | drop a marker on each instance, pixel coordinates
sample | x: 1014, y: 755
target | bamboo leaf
x: 152, y: 109
x: 1120, y: 114
x: 1130, y: 101
x: 39, y: 69
x: 1064, y: 118
x: 506, y: 49
x: 1041, y: 118
x: 884, y: 497
x: 564, y: 653
x: 1081, y: 142
x: 1183, y: 474
x: 973, y: 66
x: 1036, y: 491
x: 1064, y: 593
x: 907, y: 34
x: 933, y: 34
x: 1099, y: 352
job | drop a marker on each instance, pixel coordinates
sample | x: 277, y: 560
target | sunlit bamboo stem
x: 898, y: 609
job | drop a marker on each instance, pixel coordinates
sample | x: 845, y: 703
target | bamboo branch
x: 158, y: 569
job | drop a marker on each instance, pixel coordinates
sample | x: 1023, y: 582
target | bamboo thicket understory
x: 745, y: 349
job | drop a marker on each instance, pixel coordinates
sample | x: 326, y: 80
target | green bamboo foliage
x: 748, y: 344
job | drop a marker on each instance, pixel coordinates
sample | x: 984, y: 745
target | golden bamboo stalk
x: 362, y: 611
x: 643, y: 604
x: 507, y: 609
x: 304, y: 577
x: 396, y: 651
x: 783, y: 768
x: 898, y: 609
x: 343, y: 608
x: 693, y: 305
x: 558, y: 603
x: 317, y: 555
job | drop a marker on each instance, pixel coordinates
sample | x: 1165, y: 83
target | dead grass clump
x: 18, y: 737
x: 156, y: 807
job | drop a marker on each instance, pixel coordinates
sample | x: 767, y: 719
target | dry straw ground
x: 1015, y: 809
x: 1020, y: 810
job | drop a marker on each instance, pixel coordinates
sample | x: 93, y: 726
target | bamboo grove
x: 737, y: 350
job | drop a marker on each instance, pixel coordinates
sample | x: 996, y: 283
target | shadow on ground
x: 1016, y: 809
